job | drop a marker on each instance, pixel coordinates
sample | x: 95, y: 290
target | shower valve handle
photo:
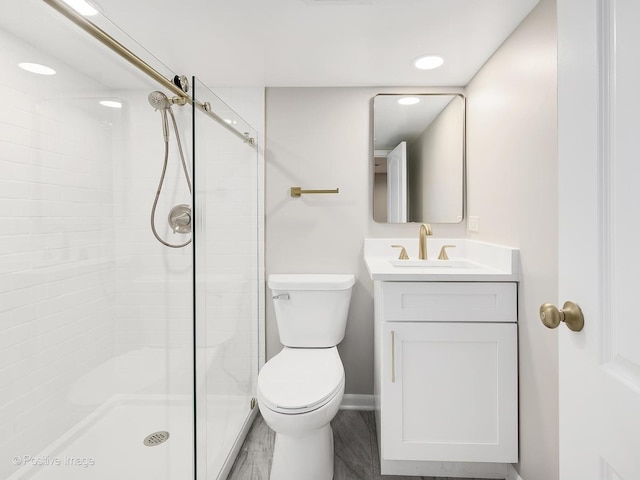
x: 180, y: 219
x: 183, y: 219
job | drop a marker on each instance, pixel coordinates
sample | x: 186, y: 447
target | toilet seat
x: 299, y: 380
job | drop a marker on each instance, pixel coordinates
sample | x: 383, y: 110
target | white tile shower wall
x: 249, y: 103
x: 231, y: 228
x: 153, y: 282
x: 91, y: 305
x: 229, y: 205
x: 56, y: 250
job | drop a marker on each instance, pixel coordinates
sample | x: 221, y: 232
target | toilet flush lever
x: 282, y: 296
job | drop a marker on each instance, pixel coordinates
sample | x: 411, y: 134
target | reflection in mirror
x: 418, y: 164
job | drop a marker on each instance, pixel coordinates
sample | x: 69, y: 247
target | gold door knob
x: 570, y: 314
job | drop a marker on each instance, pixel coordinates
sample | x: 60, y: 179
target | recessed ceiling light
x: 428, y: 62
x: 83, y: 7
x: 408, y: 100
x: 37, y: 68
x: 111, y: 103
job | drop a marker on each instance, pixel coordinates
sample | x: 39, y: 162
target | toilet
x: 301, y: 388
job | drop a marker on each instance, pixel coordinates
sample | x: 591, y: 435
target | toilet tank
x: 311, y: 309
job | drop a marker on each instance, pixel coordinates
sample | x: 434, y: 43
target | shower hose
x: 164, y: 171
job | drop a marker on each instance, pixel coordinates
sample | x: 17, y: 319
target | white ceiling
x: 320, y: 42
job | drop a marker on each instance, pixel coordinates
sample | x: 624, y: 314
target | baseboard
x: 512, y: 473
x: 352, y: 401
x: 430, y: 469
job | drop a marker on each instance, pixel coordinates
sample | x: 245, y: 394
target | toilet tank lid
x: 311, y: 281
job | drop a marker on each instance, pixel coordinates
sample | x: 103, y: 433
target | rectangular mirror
x: 418, y: 158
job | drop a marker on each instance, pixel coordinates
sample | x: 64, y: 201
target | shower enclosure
x: 121, y: 357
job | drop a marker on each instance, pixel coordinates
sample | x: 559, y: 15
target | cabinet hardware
x: 297, y: 191
x: 393, y: 356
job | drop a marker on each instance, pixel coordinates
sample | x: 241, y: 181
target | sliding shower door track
x: 117, y: 47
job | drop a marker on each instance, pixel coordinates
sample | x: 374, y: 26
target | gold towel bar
x: 297, y: 191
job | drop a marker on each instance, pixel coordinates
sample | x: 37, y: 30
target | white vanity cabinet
x: 446, y: 385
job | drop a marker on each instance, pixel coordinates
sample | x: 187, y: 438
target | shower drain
x: 156, y: 438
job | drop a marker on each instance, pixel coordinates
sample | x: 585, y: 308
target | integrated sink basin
x: 452, y: 263
x: 472, y: 261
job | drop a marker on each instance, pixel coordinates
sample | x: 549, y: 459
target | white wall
x: 321, y: 138
x: 512, y: 187
x: 56, y: 248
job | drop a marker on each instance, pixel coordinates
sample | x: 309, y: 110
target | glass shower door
x: 227, y: 279
x: 96, y: 315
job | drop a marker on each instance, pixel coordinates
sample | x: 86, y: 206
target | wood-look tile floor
x: 355, y: 446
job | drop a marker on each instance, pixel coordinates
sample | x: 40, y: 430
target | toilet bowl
x: 300, y: 389
x: 298, y: 398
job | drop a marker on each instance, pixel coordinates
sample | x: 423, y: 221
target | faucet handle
x: 403, y: 252
x: 443, y: 252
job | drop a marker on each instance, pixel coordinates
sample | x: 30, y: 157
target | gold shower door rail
x: 111, y: 43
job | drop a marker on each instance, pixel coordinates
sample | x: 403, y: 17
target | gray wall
x: 320, y: 138
x: 512, y: 174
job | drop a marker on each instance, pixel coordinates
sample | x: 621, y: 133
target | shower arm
x: 110, y: 42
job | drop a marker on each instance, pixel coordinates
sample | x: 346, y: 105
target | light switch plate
x: 474, y: 224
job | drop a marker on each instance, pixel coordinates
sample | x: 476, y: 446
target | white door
x: 599, y: 174
x: 397, y: 184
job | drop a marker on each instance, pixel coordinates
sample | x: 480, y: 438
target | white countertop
x: 486, y: 262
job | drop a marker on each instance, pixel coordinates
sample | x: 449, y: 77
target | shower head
x: 160, y: 101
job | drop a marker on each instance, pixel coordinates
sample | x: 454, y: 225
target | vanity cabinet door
x: 449, y: 392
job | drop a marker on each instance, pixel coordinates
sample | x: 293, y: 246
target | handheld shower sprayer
x: 180, y: 216
x: 160, y: 101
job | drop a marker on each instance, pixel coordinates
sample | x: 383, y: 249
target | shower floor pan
x: 111, y: 440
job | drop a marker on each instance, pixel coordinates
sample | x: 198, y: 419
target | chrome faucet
x: 425, y: 231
